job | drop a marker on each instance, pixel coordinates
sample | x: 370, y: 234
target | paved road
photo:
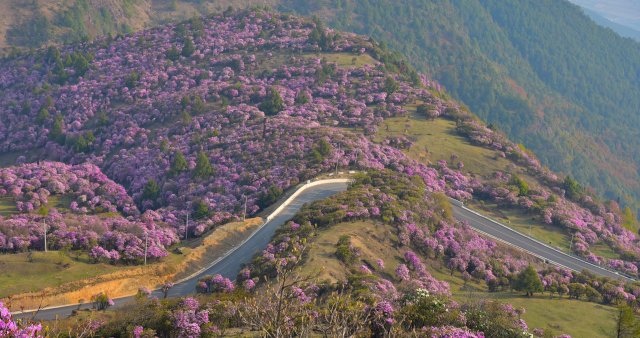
x: 517, y: 239
x: 230, y: 265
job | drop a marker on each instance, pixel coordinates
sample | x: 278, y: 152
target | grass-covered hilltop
x: 108, y: 147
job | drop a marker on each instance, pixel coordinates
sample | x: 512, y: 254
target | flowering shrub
x: 188, y: 319
x: 192, y: 132
x: 215, y: 283
x: 108, y: 239
x: 12, y: 328
x: 556, y: 201
x: 31, y: 185
x: 102, y: 301
x: 210, y: 113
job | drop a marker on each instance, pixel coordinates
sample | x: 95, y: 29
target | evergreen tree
x: 43, y: 115
x: 627, y: 324
x: 80, y: 64
x: 185, y: 117
x: 302, y: 98
x: 132, y: 79
x: 203, y: 166
x: 56, y: 133
x: 201, y: 210
x: 528, y: 281
x: 179, y: 163
x: 273, y: 104
x: 185, y: 102
x: 173, y: 54
x: 572, y: 188
x: 629, y: 220
x: 390, y: 85
x: 522, y: 185
x: 188, y: 48
x: 324, y: 147
x: 198, y: 107
x: 270, y: 196
x: 151, y: 190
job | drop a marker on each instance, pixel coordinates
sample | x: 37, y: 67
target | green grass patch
x: 437, y: 139
x: 375, y: 240
x: 7, y: 206
x: 60, y: 202
x: 525, y: 223
x: 345, y: 59
x: 25, y: 272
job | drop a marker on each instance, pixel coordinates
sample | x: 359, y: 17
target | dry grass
x: 375, y: 240
x: 58, y: 278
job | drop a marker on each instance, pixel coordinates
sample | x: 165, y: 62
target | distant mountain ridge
x: 542, y: 71
x: 621, y: 12
x: 621, y: 29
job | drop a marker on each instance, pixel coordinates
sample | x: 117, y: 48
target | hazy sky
x: 624, y: 12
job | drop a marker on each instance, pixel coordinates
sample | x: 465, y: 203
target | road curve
x: 521, y: 241
x: 229, y: 265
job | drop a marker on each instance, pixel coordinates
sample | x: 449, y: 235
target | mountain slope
x: 576, y: 107
x: 541, y: 71
x: 32, y: 24
x: 616, y: 27
x: 210, y: 117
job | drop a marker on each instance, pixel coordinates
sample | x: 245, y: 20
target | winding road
x: 230, y: 264
x: 530, y: 245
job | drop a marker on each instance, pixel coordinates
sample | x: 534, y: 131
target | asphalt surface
x: 228, y: 266
x: 521, y: 241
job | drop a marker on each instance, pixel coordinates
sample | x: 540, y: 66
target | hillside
x: 625, y: 31
x: 575, y: 106
x: 31, y: 24
x: 115, y: 143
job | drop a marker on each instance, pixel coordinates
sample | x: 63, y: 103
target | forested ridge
x: 541, y: 71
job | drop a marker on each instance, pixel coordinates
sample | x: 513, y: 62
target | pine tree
x: 390, y: 85
x: 179, y: 163
x: 198, y: 106
x: 43, y: 115
x: 627, y: 324
x: 188, y: 48
x: 173, y: 54
x: 56, y: 133
x: 203, y: 166
x: 572, y: 188
x: 528, y: 281
x: 201, y: 210
x: 273, y: 103
x: 151, y: 190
